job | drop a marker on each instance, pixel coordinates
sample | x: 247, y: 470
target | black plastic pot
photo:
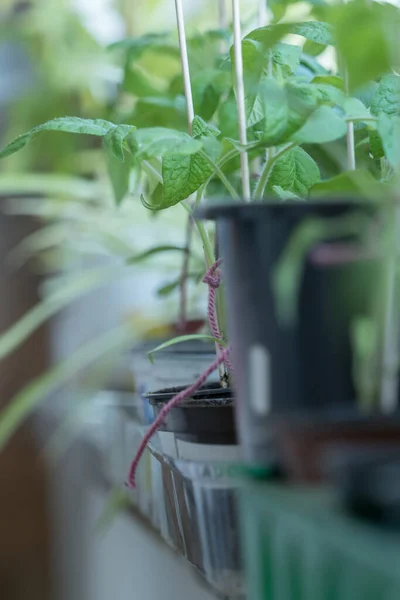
x: 279, y: 367
x: 179, y: 364
x: 205, y: 418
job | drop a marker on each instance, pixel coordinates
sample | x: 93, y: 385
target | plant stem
x: 184, y: 277
x: 267, y: 168
x: 222, y: 176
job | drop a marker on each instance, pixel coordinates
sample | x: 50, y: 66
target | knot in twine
x: 213, y: 275
x: 213, y: 279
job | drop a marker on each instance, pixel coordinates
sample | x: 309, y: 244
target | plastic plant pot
x: 200, y: 428
x: 312, y: 448
x: 281, y: 366
x: 174, y: 366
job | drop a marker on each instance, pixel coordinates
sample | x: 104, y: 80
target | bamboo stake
x: 222, y: 23
x: 240, y: 99
x: 185, y: 63
x: 180, y: 19
x: 222, y: 14
x: 351, y: 152
x: 262, y: 13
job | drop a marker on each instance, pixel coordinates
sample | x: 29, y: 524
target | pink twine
x: 165, y: 410
x: 213, y: 279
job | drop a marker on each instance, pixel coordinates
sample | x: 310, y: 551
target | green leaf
x: 154, y: 42
x: 285, y: 59
x: 97, y: 127
x: 358, y: 183
x: 387, y: 96
x: 389, y: 131
x: 185, y: 338
x: 367, y: 35
x: 315, y: 31
x: 24, y: 403
x: 270, y: 111
x: 160, y: 141
x: 386, y: 100
x: 118, y: 170
x: 366, y: 93
x: 208, y: 86
x: 354, y: 108
x: 286, y: 277
x: 182, y: 176
x: 201, y: 128
x: 313, y: 49
x: 284, y: 194
x: 331, y: 80
x: 228, y: 118
x: 295, y: 172
x: 161, y: 112
x: 138, y: 83
x: 323, y: 126
x: 13, y: 337
x: 154, y: 251
x: 114, y: 140
x: 118, y: 502
x: 303, y: 99
x: 254, y: 62
x: 375, y: 144
x: 167, y: 288
x: 119, y: 173
x: 318, y: 32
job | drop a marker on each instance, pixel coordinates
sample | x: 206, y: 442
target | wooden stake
x: 240, y: 98
x: 185, y: 63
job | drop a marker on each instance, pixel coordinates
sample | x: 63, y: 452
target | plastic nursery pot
x: 315, y: 448
x: 304, y: 362
x: 174, y: 366
x: 201, y: 427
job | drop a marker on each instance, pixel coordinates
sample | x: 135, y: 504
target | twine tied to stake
x: 213, y: 279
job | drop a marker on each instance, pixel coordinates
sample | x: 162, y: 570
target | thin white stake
x: 262, y: 13
x: 240, y: 99
x: 222, y: 23
x: 222, y: 14
x: 351, y: 152
x: 185, y: 63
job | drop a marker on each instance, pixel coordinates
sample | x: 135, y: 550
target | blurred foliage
x: 72, y: 74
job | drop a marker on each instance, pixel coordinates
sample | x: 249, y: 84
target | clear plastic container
x: 206, y: 507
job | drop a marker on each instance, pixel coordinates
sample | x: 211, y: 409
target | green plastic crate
x: 299, y: 545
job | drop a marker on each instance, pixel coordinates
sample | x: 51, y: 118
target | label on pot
x: 259, y: 370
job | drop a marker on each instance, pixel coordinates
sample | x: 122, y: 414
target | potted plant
x: 295, y: 119
x: 283, y: 111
